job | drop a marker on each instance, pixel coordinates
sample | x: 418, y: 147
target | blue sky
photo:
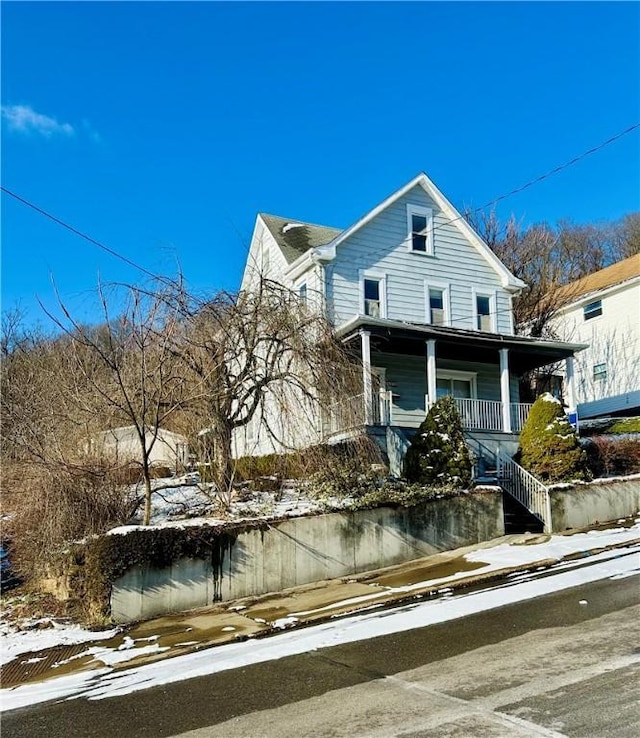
x: 161, y: 129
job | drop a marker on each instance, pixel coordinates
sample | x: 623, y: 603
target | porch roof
x: 458, y: 344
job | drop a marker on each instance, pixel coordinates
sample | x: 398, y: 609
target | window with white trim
x: 302, y: 293
x: 372, y: 290
x: 461, y: 385
x: 420, y: 229
x: 437, y: 309
x: 600, y: 372
x: 484, y: 320
x: 592, y: 310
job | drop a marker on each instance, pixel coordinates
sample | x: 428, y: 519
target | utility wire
x: 166, y: 280
x: 86, y: 237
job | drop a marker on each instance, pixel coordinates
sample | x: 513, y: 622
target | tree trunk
x: 147, y: 492
x: 222, y: 461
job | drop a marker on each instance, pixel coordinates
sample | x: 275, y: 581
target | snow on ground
x: 38, y: 635
x: 182, y: 502
x: 105, y: 682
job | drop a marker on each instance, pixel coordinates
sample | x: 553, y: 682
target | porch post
x: 570, y: 388
x: 365, y: 340
x: 431, y: 371
x: 505, y: 395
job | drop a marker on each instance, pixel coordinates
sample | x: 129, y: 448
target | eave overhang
x: 458, y: 344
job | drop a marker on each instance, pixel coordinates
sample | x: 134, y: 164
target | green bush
x: 438, y: 454
x: 549, y: 446
x: 625, y: 425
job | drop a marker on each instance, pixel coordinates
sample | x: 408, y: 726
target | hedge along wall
x: 173, y: 569
x: 584, y: 505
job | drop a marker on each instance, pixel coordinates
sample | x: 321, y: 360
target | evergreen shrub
x: 549, y: 446
x: 438, y: 454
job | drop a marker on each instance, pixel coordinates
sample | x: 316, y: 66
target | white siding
x: 265, y: 257
x: 381, y: 246
x: 613, y: 338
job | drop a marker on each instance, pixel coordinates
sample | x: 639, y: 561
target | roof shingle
x: 617, y: 273
x: 295, y: 237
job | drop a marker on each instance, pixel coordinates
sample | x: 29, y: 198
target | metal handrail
x: 527, y: 489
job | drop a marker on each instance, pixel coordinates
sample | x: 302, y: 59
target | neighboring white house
x: 604, y: 312
x: 426, y: 305
x: 169, y: 449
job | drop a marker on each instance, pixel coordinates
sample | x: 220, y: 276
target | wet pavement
x: 550, y: 667
x: 251, y: 617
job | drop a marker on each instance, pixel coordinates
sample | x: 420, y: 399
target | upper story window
x: 483, y: 313
x: 373, y: 297
x: 420, y: 229
x: 436, y: 306
x: 592, y: 310
x: 302, y: 293
x: 599, y: 372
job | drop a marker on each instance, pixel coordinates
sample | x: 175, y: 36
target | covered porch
x: 406, y: 367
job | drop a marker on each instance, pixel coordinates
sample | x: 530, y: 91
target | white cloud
x: 24, y: 119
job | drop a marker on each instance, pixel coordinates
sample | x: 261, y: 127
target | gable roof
x: 621, y: 271
x: 453, y: 216
x: 295, y: 237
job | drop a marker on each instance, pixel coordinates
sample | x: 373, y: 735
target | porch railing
x: 519, y: 414
x: 480, y: 414
x: 487, y: 414
x: 352, y: 412
x: 528, y: 490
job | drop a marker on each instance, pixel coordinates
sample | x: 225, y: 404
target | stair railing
x: 528, y: 490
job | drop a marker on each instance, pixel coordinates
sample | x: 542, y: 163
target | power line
x: 544, y: 176
x: 86, y: 237
x: 528, y: 184
x: 144, y: 270
x: 559, y: 168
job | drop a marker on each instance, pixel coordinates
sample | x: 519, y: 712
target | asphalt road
x: 547, y: 667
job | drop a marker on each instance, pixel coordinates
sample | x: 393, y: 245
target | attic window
x: 593, y: 309
x: 420, y: 229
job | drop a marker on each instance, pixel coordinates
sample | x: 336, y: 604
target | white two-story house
x: 426, y: 306
x: 603, y: 310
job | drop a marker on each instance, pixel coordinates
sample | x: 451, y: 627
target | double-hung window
x: 437, y: 303
x: 302, y: 293
x: 483, y: 313
x: 436, y: 306
x: 420, y: 229
x: 592, y: 310
x: 372, y: 289
x: 599, y: 372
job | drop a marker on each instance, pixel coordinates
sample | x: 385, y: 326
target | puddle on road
x: 426, y: 573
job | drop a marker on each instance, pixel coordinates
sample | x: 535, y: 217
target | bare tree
x: 262, y: 357
x: 547, y: 258
x: 125, y: 372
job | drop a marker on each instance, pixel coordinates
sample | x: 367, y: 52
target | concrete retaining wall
x: 309, y: 549
x: 584, y: 505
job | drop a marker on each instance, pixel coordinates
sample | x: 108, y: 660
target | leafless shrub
x: 54, y: 505
x: 609, y: 456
